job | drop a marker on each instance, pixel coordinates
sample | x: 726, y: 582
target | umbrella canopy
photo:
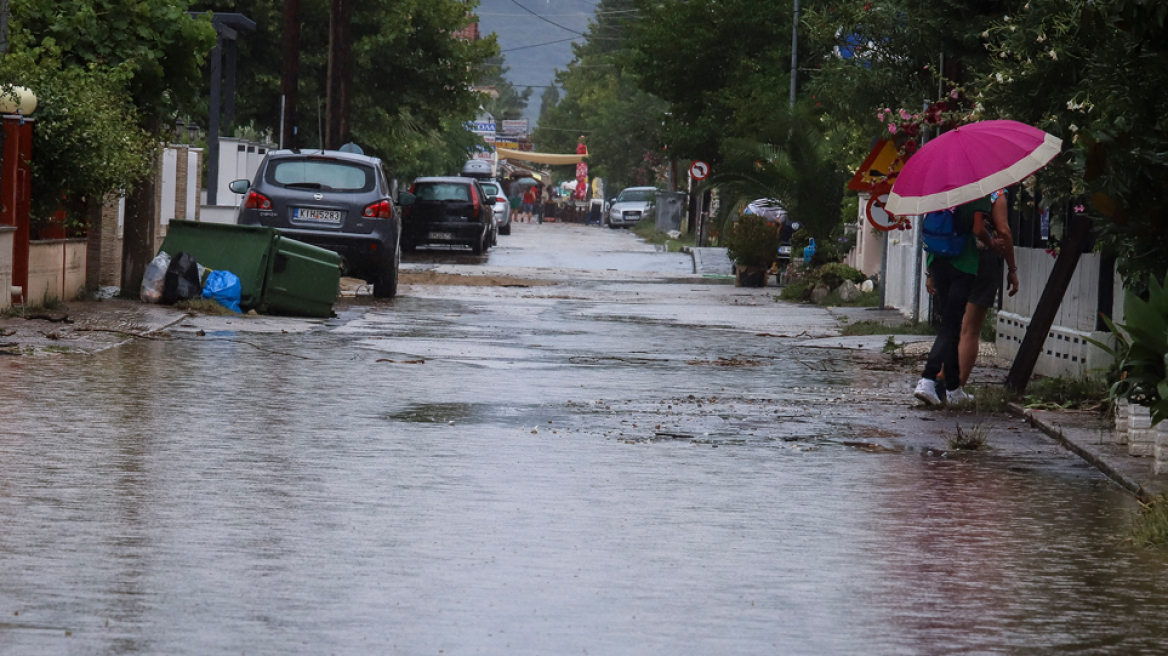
x: 525, y: 182
x: 968, y: 163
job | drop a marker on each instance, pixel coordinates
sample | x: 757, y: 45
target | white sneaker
x: 958, y: 396
x: 927, y: 392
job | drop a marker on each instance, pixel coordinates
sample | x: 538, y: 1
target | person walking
x: 953, y: 278
x: 989, y: 281
x: 529, y: 200
x: 513, y: 198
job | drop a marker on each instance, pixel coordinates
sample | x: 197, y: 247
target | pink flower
x: 953, y: 94
x: 1079, y: 209
x: 905, y: 114
x: 880, y: 116
x: 892, y: 128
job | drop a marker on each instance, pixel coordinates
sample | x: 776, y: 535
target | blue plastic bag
x: 224, y: 288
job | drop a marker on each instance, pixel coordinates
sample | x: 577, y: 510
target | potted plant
x: 752, y: 245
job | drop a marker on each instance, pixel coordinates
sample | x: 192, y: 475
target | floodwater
x: 553, y: 479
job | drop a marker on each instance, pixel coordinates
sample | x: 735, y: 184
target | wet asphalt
x: 627, y: 461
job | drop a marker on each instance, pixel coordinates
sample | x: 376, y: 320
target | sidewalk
x: 83, y: 327
x: 1092, y: 438
x: 711, y: 261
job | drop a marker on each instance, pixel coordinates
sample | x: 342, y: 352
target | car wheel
x: 408, y: 246
x: 505, y: 229
x: 495, y: 237
x: 477, y: 246
x: 613, y: 226
x: 385, y: 284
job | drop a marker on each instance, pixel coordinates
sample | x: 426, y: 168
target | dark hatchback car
x: 335, y: 200
x: 450, y: 211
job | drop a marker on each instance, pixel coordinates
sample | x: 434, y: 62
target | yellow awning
x: 539, y: 158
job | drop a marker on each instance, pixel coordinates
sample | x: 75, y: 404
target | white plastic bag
x: 154, y: 278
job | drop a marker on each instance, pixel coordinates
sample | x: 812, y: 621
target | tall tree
x: 507, y: 103
x: 605, y: 103
x: 412, y: 89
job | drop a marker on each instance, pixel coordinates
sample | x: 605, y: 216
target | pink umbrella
x: 968, y: 163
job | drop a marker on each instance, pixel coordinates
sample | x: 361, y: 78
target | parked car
x: 335, y: 200
x: 632, y: 205
x: 451, y: 210
x: 502, y: 206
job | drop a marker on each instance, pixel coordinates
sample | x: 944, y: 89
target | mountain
x: 518, y: 30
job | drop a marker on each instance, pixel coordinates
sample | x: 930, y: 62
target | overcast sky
x: 517, y: 28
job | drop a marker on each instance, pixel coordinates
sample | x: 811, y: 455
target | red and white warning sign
x: 699, y: 170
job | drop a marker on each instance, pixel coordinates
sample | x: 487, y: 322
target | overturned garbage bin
x: 277, y: 275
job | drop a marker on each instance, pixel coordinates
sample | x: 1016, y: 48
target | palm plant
x: 791, y: 161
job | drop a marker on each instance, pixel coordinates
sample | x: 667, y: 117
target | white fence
x: 238, y: 160
x: 1066, y: 351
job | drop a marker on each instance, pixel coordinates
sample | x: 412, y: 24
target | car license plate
x: 784, y: 250
x: 441, y: 236
x: 305, y: 214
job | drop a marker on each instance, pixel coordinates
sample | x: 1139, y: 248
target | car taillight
x: 474, y: 197
x: 379, y: 210
x: 257, y: 201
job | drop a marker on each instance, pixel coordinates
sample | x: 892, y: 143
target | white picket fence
x: 1066, y: 351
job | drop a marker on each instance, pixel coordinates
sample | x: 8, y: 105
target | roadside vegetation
x: 870, y: 327
x: 1150, y: 526
x: 647, y: 230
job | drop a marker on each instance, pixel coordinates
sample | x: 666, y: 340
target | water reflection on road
x: 546, y: 482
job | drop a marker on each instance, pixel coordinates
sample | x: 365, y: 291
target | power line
x: 537, y: 45
x: 551, y: 22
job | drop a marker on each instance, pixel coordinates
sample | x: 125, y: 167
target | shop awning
x: 539, y: 158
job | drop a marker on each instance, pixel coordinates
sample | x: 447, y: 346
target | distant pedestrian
x: 953, y: 279
x: 514, y: 199
x: 530, y: 197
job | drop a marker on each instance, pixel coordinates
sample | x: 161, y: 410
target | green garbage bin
x: 305, y: 280
x: 246, y: 251
x: 277, y: 274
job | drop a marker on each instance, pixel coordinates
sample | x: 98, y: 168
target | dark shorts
x: 527, y: 208
x: 989, y: 279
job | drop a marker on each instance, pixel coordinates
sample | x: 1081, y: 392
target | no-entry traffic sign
x: 699, y: 170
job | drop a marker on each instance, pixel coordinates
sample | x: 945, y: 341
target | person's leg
x: 951, y: 320
x: 970, y: 339
x: 942, y: 274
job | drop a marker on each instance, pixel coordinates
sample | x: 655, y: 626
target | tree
x: 603, y: 102
x: 160, y: 46
x: 790, y: 161
x: 87, y: 142
x: 412, y: 90
x: 509, y: 104
x: 1093, y: 74
x: 719, y: 64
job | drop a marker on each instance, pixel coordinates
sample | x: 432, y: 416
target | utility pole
x: 290, y: 79
x: 794, y: 52
x: 337, y: 100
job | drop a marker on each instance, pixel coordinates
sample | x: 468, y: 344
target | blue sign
x: 481, y: 126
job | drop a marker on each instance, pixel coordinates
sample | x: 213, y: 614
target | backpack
x: 944, y: 234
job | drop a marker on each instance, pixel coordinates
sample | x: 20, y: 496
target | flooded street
x: 628, y: 460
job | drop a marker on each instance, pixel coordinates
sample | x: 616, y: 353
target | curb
x: 1107, y: 469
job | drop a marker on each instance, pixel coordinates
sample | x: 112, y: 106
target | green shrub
x: 798, y: 292
x: 833, y: 275
x: 751, y: 241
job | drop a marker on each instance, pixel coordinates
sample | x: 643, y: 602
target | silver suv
x: 335, y: 200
